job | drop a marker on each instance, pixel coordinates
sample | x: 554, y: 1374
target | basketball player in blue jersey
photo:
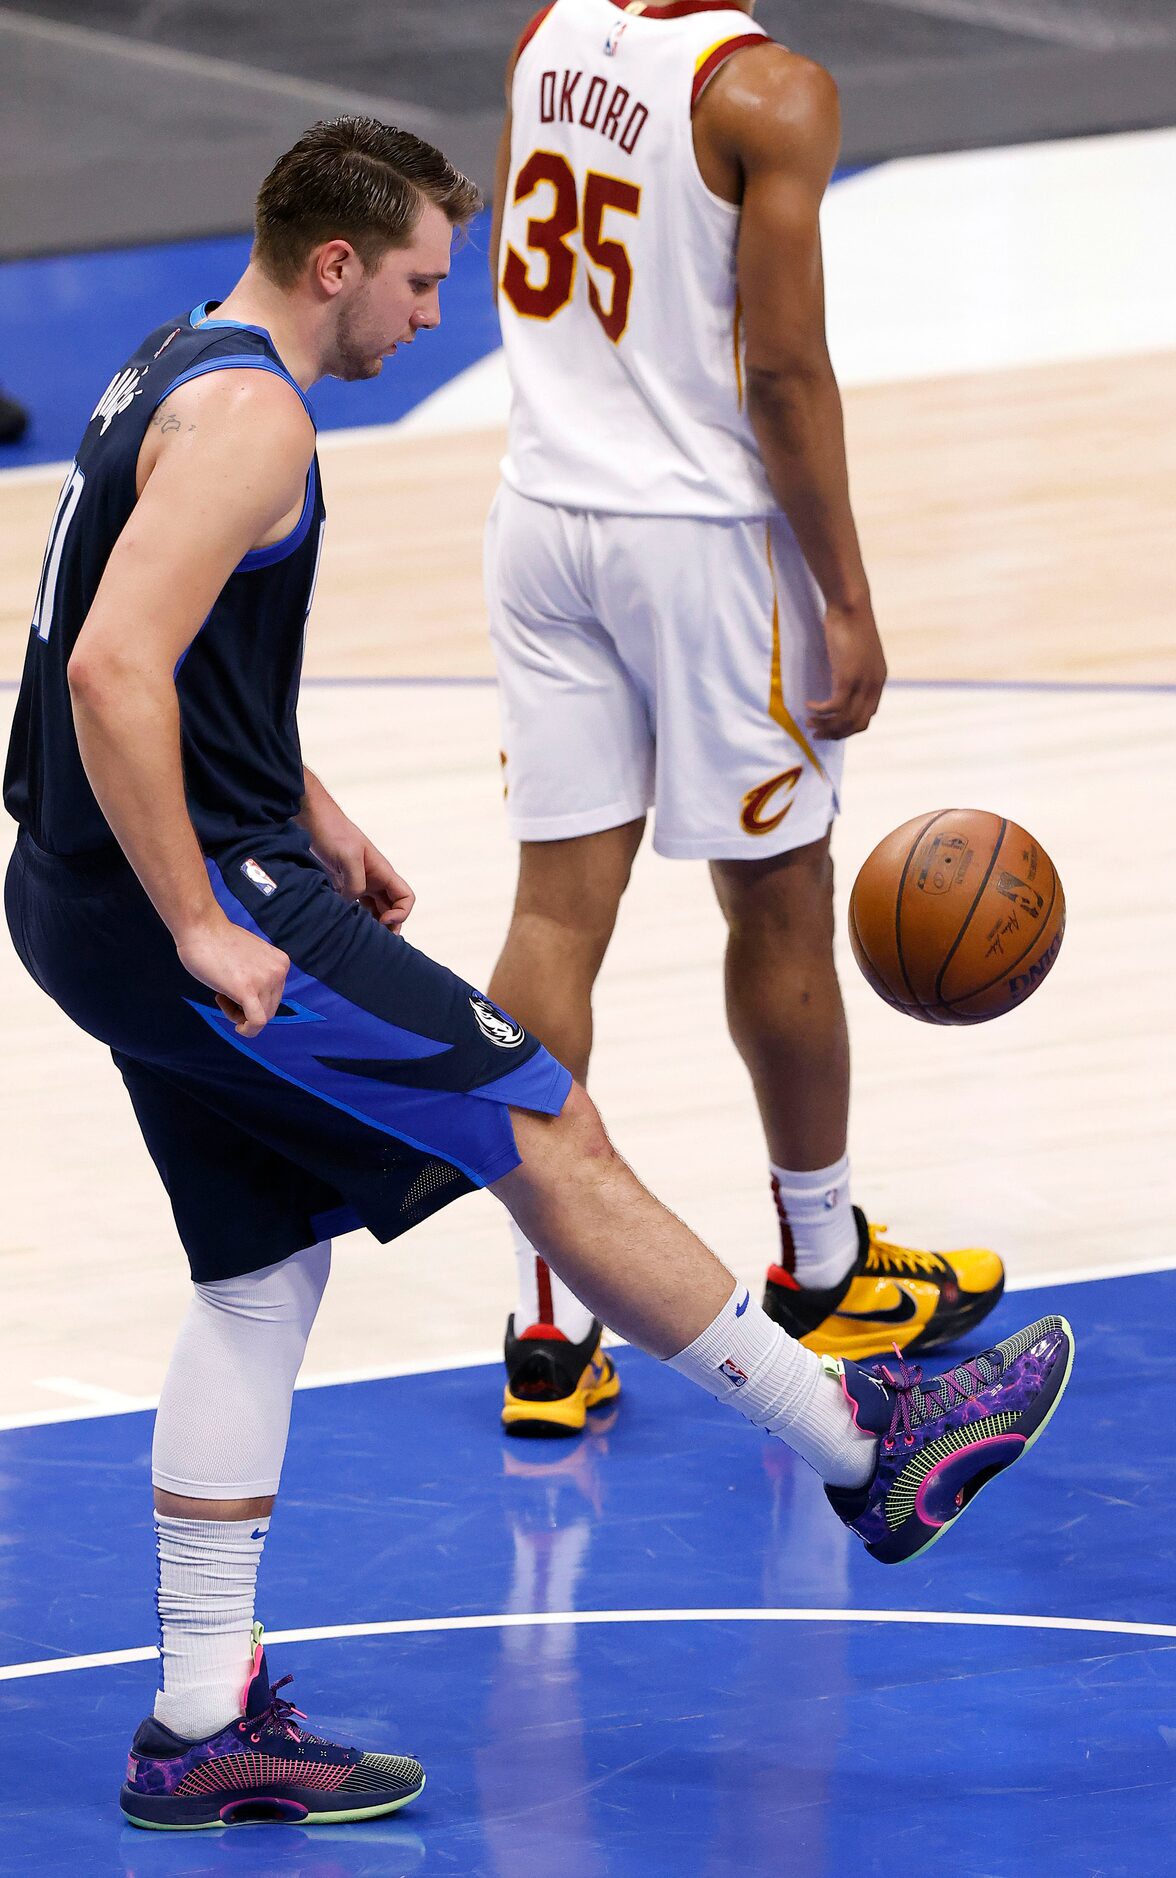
x: 680, y: 613
x: 194, y: 897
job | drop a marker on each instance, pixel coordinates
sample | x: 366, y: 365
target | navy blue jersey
x: 238, y: 681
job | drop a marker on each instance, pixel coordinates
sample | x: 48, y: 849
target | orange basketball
x: 957, y: 916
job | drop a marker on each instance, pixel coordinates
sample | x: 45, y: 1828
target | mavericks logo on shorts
x: 494, y: 1024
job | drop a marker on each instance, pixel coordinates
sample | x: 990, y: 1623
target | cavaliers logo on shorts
x: 754, y: 820
x: 495, y: 1025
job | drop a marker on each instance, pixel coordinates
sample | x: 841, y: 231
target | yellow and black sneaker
x: 892, y: 1297
x: 551, y: 1383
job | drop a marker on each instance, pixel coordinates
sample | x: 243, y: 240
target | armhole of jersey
x: 278, y: 550
x: 716, y: 56
x: 252, y: 362
x: 530, y: 29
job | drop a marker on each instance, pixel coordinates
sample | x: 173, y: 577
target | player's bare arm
x: 355, y: 865
x: 767, y: 131
x: 221, y: 473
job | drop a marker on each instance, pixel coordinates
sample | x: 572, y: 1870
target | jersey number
x: 63, y: 515
x: 551, y: 236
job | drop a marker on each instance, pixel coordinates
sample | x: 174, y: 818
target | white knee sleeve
x: 224, y: 1414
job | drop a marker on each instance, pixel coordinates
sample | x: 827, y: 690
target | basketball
x: 957, y: 916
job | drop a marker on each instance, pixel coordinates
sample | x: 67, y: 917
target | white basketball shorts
x: 663, y: 659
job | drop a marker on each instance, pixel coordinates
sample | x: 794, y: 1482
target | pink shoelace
x: 277, y: 1717
x: 912, y: 1399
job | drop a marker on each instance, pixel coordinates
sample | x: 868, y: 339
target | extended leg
x: 901, y: 1459
x: 642, y: 1271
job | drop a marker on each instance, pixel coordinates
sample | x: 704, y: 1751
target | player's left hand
x: 357, y: 870
x: 360, y: 872
x: 386, y: 894
x: 858, y: 666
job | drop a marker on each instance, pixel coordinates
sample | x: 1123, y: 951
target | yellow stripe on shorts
x: 777, y: 709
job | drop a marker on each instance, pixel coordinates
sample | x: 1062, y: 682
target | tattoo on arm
x: 168, y: 423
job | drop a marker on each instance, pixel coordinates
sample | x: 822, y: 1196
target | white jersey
x: 616, y: 269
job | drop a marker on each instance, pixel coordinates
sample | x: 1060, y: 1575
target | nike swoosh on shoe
x: 900, y: 1313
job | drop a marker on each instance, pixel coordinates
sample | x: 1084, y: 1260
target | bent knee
x: 788, y: 894
x: 575, y: 1135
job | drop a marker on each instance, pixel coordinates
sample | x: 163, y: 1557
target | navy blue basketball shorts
x: 379, y: 1092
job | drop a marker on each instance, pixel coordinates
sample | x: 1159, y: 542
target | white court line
x: 522, y: 1620
x: 332, y: 1379
x: 1084, y: 1274
x: 94, y: 1394
x: 329, y: 1379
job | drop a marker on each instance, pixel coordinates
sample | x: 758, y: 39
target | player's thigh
x: 737, y: 625
x: 384, y: 1077
x: 374, y: 1029
x: 576, y: 733
x: 238, y: 1203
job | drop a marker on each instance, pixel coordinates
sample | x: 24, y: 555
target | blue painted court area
x: 729, y: 1685
x: 67, y: 322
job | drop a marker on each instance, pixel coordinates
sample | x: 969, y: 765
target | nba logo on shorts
x: 257, y: 876
x: 612, y: 43
x: 731, y: 1370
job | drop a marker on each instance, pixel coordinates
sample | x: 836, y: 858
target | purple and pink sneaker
x: 941, y: 1440
x: 261, y: 1767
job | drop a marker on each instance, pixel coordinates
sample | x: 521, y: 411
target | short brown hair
x: 353, y: 179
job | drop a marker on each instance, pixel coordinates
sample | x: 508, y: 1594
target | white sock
x: 543, y: 1296
x: 207, y: 1581
x: 745, y: 1359
x: 815, y: 1209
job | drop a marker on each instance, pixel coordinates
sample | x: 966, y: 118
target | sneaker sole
x: 1040, y: 1429
x: 339, y: 1818
x: 565, y: 1415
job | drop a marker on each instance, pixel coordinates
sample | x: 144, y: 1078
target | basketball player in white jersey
x: 680, y: 613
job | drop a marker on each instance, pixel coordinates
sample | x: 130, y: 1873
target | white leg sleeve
x: 224, y: 1414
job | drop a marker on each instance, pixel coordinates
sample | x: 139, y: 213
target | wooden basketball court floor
x: 1011, y: 1709
x: 1018, y: 530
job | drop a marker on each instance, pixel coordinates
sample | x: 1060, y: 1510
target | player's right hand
x: 857, y: 666
x: 247, y: 974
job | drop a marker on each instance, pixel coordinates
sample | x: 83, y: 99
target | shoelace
x: 277, y: 1717
x: 912, y: 1401
x: 881, y: 1253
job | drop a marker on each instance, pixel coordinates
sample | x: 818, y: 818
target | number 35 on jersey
x: 571, y: 222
